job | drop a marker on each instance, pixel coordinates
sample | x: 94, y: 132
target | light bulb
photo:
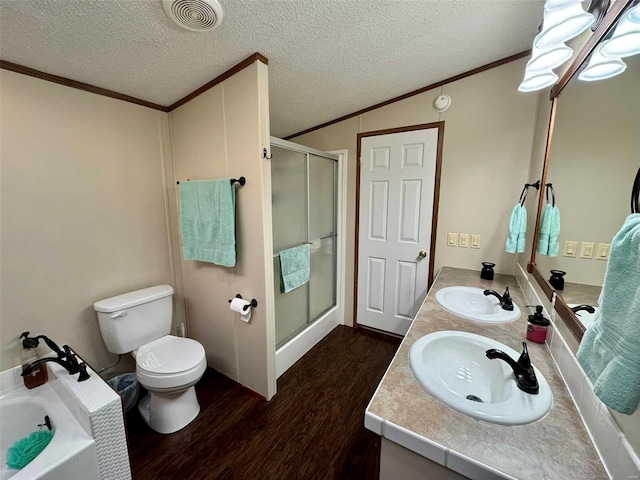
x: 537, y: 81
x: 558, y: 26
x: 625, y: 40
x: 601, y: 67
x: 543, y: 59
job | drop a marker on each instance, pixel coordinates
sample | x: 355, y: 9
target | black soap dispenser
x: 556, y: 279
x: 487, y: 270
x: 538, y: 326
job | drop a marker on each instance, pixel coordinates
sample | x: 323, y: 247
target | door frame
x: 436, y: 200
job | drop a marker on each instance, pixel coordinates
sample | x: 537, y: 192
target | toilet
x: 167, y: 366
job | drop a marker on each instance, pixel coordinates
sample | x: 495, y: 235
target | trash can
x: 128, y: 387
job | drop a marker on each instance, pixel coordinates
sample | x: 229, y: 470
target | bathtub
x: 71, y: 454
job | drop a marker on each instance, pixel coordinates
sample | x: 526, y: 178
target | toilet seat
x: 170, y: 362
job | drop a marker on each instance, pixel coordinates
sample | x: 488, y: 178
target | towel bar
x: 242, y: 181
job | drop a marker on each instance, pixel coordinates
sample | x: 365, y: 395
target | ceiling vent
x: 194, y: 15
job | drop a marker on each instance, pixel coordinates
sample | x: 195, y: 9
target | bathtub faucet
x: 65, y: 358
x: 505, y: 300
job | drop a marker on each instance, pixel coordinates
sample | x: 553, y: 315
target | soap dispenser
x: 537, y: 327
x: 29, y: 354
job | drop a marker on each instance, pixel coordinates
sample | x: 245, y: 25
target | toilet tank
x: 130, y: 320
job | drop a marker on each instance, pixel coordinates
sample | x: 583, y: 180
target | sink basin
x: 452, y: 366
x: 471, y: 303
x: 585, y: 317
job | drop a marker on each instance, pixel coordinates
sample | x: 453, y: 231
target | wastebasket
x: 128, y: 387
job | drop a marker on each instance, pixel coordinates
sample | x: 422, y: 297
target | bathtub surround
x: 96, y: 408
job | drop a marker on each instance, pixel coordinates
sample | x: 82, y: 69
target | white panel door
x: 397, y: 181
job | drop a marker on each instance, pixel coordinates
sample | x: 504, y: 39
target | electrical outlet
x: 586, y: 250
x: 452, y: 239
x: 464, y: 240
x: 570, y: 249
x: 475, y: 241
x: 603, y: 251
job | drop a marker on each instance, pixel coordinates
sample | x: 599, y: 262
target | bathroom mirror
x: 592, y: 161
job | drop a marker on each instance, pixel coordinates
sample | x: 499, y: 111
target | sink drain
x: 473, y: 398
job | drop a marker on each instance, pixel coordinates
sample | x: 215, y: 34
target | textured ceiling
x: 327, y: 58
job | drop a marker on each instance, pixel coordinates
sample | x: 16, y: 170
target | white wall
x: 83, y: 210
x: 218, y: 134
x: 487, y: 147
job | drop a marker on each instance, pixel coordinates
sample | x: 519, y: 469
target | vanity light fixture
x: 558, y: 26
x: 625, y: 40
x: 601, y: 67
x: 537, y: 81
x: 553, y: 5
x: 634, y: 14
x: 543, y: 59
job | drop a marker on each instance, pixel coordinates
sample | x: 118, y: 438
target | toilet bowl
x: 168, y: 367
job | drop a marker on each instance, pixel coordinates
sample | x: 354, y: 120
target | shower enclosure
x: 304, y: 209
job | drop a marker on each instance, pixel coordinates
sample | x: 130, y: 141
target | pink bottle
x: 538, y: 325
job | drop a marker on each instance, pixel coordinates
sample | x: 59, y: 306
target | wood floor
x: 312, y: 429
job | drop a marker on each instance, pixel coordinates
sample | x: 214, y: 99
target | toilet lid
x: 169, y: 354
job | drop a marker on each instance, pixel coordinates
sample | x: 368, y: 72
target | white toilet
x: 167, y: 366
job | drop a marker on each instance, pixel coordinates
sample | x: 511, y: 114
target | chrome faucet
x: 65, y: 358
x: 522, y: 369
x: 578, y: 308
x: 505, y: 300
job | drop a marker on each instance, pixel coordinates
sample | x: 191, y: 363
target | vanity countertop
x: 555, y: 447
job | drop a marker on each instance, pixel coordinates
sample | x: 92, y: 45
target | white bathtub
x: 71, y: 454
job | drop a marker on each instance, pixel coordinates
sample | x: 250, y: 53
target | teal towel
x: 207, y: 221
x: 295, y: 265
x: 516, y: 241
x: 610, y: 349
x: 548, y: 239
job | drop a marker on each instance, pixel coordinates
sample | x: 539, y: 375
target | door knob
x: 422, y: 254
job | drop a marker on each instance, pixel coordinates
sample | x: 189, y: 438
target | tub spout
x: 65, y: 358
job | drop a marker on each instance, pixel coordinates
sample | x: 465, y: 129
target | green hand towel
x: 207, y: 221
x: 516, y: 241
x: 548, y: 239
x: 610, y: 349
x: 295, y: 266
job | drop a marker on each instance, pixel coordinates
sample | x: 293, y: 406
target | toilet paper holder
x: 253, y: 304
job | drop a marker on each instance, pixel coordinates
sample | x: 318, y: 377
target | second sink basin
x: 471, y: 303
x: 453, y: 367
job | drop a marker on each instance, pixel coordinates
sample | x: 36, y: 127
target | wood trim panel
x: 256, y: 57
x: 570, y: 319
x: 608, y: 22
x: 543, y: 179
x: 466, y: 74
x: 14, y: 67
x: 436, y: 200
x: 544, y: 284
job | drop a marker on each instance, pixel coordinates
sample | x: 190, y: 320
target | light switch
x: 464, y: 240
x: 586, y: 250
x: 603, y: 251
x: 452, y: 239
x: 475, y: 241
x: 570, y: 248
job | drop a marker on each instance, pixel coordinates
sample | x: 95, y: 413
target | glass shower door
x: 304, y: 211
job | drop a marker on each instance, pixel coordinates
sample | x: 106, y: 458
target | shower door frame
x: 297, y: 346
